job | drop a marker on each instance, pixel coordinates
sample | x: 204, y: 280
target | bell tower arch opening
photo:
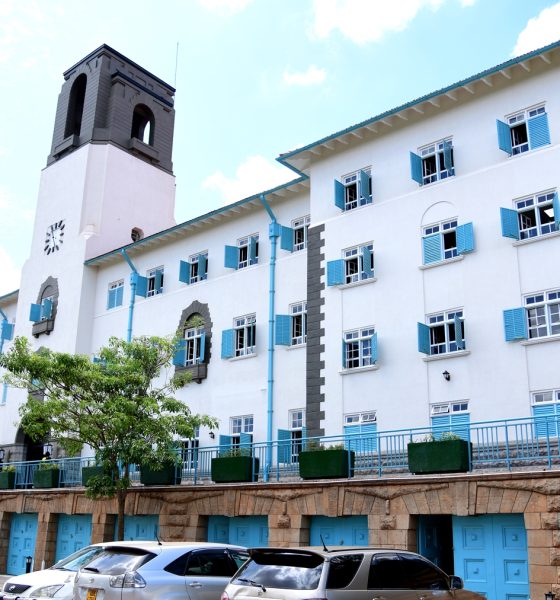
x: 76, y: 106
x: 143, y: 123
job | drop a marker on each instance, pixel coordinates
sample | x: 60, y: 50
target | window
x: 444, y: 333
x: 155, y: 281
x: 244, y: 328
x: 290, y: 441
x: 546, y: 411
x: 298, y: 314
x: 240, y: 425
x: 359, y: 348
x: 444, y: 240
x: 533, y: 216
x: 143, y: 124
x: 433, y: 162
x: 360, y: 431
x: 115, y: 294
x: 189, y: 451
x: 300, y: 228
x: 244, y: 254
x: 524, y: 131
x: 43, y: 311
x: 356, y: 265
x: 194, y: 347
x: 391, y: 571
x: 195, y: 269
x: 451, y: 417
x: 543, y: 314
x: 354, y: 190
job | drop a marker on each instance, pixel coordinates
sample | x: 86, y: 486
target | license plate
x: 91, y: 594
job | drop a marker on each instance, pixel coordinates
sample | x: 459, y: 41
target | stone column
x: 45, y: 545
x: 5, y: 522
x: 288, y: 530
x: 102, y: 527
x: 181, y: 527
x: 392, y: 531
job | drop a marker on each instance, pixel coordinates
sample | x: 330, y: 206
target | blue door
x: 435, y: 540
x: 490, y: 554
x: 144, y: 527
x: 73, y: 533
x: 245, y: 531
x: 23, y: 532
x: 339, y: 531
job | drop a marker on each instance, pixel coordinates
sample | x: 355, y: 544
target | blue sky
x: 254, y: 78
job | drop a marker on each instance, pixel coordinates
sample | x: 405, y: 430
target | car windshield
x: 115, y: 561
x: 286, y: 571
x: 78, y: 559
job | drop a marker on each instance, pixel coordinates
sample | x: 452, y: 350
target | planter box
x: 230, y: 469
x: 446, y: 456
x: 166, y: 475
x: 46, y: 478
x: 7, y: 480
x: 326, y: 464
x: 88, y: 472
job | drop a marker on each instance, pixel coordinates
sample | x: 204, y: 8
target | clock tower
x: 108, y: 181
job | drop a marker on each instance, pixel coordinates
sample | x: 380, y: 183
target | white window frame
x: 240, y: 424
x: 354, y: 265
x: 297, y: 423
x: 543, y: 314
x: 192, y: 336
x: 194, y: 277
x: 518, y: 127
x: 354, y: 196
x: 243, y: 245
x: 190, y: 449
x: 444, y: 321
x: 545, y: 397
x: 151, y: 277
x: 245, y: 332
x: 114, y: 285
x: 357, y: 347
x: 537, y: 204
x: 300, y: 228
x: 448, y: 236
x: 448, y: 408
x: 360, y: 418
x: 298, y: 323
x: 433, y: 167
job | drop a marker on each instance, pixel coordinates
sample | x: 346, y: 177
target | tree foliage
x: 121, y: 405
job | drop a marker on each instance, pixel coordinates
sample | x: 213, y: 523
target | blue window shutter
x: 252, y: 251
x: 202, y: 348
x: 287, y: 238
x: 510, y: 223
x: 440, y: 424
x: 460, y: 425
x: 283, y: 335
x: 458, y: 332
x: 423, y: 338
x: 556, y: 208
x: 119, y: 295
x: 180, y: 356
x: 352, y: 437
x: 369, y: 435
x: 46, y: 309
x: 228, y: 339
x: 158, y: 282
x: 4, y: 393
x: 374, y: 348
x: 35, y: 313
x: 111, y: 298
x: 303, y: 437
x: 416, y: 168
x: 245, y: 440
x: 504, y: 136
x: 231, y: 257
x: 335, y: 272
x: 6, y: 331
x: 539, y: 134
x: 184, y: 272
x: 202, y: 266
x: 366, y: 261
x: 225, y: 442
x: 545, y: 423
x: 431, y: 247
x: 364, y: 186
x: 284, y: 445
x: 515, y: 324
x: 343, y: 354
x: 465, y: 238
x: 141, y: 284
x: 448, y: 157
x: 339, y: 194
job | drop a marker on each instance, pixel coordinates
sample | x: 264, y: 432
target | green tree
x: 121, y: 405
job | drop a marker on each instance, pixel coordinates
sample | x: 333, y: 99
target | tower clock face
x: 54, y: 237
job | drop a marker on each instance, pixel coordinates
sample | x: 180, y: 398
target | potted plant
x: 320, y: 462
x: 235, y: 465
x: 47, y: 475
x: 166, y: 474
x: 8, y: 477
x: 89, y: 472
x: 447, y: 453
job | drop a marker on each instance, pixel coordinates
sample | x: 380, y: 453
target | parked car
x: 162, y: 570
x: 55, y: 582
x: 343, y: 574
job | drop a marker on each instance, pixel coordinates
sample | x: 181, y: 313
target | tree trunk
x: 121, y: 500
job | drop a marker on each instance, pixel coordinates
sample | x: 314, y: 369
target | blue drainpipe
x: 273, y: 234
x: 133, y: 281
x: 4, y: 320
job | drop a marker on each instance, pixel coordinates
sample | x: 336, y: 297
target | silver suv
x: 342, y: 574
x: 162, y: 570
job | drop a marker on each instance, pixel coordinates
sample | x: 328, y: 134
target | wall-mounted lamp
x: 446, y: 375
x: 2, y: 453
x: 549, y: 596
x: 47, y: 450
x: 212, y: 435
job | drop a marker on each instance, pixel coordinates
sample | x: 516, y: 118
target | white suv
x: 162, y: 570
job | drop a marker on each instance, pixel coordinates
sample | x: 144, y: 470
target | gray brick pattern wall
x: 314, y: 413
x: 198, y: 308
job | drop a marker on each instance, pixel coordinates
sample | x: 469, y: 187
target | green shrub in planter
x: 8, y: 478
x: 164, y: 475
x: 326, y: 463
x: 47, y: 476
x: 448, y: 454
x: 234, y: 467
x: 89, y: 472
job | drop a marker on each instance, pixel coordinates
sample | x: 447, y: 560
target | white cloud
x: 225, y: 8
x: 539, y: 31
x: 312, y: 76
x: 364, y: 21
x: 254, y: 175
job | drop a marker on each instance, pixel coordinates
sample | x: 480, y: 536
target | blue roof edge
x: 282, y: 159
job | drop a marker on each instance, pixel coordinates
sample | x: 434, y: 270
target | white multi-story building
x: 406, y: 278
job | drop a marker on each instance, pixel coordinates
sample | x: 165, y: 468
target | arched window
x: 76, y: 107
x: 143, y: 124
x: 136, y: 234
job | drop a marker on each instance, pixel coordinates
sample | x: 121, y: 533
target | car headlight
x: 48, y: 591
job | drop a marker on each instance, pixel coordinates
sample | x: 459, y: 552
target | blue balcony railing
x: 505, y: 444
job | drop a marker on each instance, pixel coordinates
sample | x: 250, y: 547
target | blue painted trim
x: 133, y: 282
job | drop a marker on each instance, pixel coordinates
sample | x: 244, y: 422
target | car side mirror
x: 455, y: 583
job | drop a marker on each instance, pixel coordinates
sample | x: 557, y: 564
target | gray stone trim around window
x: 198, y: 372
x: 49, y: 288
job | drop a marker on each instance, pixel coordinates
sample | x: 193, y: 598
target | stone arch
x: 198, y: 372
x: 143, y: 124
x: 76, y: 106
